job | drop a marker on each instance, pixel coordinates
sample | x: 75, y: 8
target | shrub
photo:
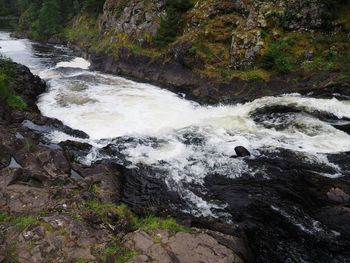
x: 170, y: 24
x: 276, y: 58
x: 6, y: 92
x: 16, y: 102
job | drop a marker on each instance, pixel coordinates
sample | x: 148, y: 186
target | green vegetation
x: 170, y: 24
x: 49, y: 22
x: 152, y: 223
x: 20, y: 222
x: 210, y: 34
x: 226, y: 74
x: 11, y: 254
x: 9, y: 7
x: 7, y: 81
x: 149, y: 223
x: 42, y: 19
x: 277, y: 56
x: 83, y: 261
x: 115, y: 250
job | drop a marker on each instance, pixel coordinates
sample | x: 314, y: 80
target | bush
x: 7, y: 76
x: 277, y: 58
x: 16, y: 102
x: 170, y: 25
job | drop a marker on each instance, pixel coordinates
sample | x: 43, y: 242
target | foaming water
x: 182, y: 141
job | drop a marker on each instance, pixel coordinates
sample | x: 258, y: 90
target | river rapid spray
x: 182, y: 141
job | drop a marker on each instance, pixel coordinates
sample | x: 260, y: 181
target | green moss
x: 83, y: 261
x: 97, y: 207
x: 84, y: 32
x: 16, y: 102
x: 278, y: 56
x: 8, y: 79
x: 152, y: 223
x: 20, y: 222
x: 11, y: 254
x: 171, y: 23
x: 114, y: 250
x: 227, y: 74
x: 4, y: 217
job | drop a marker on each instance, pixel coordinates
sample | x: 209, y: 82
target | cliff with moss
x: 184, y: 44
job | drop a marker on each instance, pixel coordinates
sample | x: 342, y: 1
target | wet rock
x: 75, y: 150
x: 28, y: 86
x: 5, y: 156
x: 14, y: 164
x: 43, y: 124
x: 241, y: 151
x: 337, y: 195
x: 75, y: 175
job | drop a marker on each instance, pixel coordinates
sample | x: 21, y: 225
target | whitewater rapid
x: 184, y: 140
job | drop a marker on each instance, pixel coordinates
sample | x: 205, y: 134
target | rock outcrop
x: 137, y: 19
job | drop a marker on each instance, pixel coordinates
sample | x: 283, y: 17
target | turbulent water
x: 182, y: 141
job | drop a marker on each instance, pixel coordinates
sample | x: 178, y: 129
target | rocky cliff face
x: 238, y: 29
x: 137, y: 19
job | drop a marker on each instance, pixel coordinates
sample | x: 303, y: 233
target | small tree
x: 49, y: 18
x: 170, y: 24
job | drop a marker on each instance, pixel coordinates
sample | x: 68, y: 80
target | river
x: 182, y: 142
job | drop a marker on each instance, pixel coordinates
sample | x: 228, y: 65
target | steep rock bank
x: 180, y: 79
x: 225, y: 51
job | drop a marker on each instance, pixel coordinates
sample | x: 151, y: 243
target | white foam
x: 75, y: 63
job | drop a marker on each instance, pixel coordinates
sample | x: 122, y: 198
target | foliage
x: 20, y: 222
x: 151, y: 223
x: 276, y: 58
x: 227, y: 74
x: 115, y: 250
x: 49, y: 22
x: 93, y: 6
x: 331, y: 11
x: 7, y: 80
x: 85, y: 32
x: 45, y: 18
x: 16, y: 102
x: 9, y: 7
x: 170, y: 24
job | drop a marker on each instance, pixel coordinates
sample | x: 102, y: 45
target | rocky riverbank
x: 178, y: 78
x: 54, y: 209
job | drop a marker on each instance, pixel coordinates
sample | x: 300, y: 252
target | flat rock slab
x: 179, y: 248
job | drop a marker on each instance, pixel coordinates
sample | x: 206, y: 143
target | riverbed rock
x: 338, y: 195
